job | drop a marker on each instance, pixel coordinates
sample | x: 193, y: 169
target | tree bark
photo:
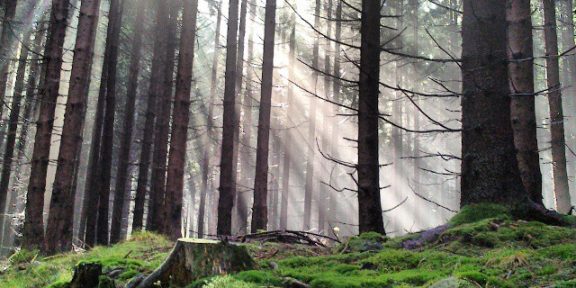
x: 177, y: 158
x: 33, y: 232
x: 369, y: 202
x: 227, y: 184
x: 489, y: 167
x: 260, y: 208
x: 523, y: 107
x: 59, y: 230
x: 558, y: 140
x: 210, y: 126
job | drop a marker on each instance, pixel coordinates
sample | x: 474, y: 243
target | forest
x: 287, y: 143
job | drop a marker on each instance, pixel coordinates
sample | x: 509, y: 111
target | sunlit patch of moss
x: 477, y: 212
x: 370, y: 241
x: 266, y: 278
x: 141, y: 254
x: 222, y: 282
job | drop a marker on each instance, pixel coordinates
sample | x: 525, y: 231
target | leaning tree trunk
x: 177, y: 158
x: 129, y: 111
x: 523, y: 107
x: 59, y: 229
x: 210, y: 126
x: 369, y: 205
x: 260, y: 208
x: 489, y: 167
x: 558, y: 141
x: 33, y: 232
x: 226, y: 199
x: 191, y: 260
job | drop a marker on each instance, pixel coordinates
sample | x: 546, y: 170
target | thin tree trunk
x: 260, y: 209
x: 336, y: 87
x: 227, y: 184
x: 129, y: 111
x: 286, y: 169
x: 558, y: 141
x: 155, y: 92
x: 33, y: 232
x: 326, y: 127
x: 523, y: 106
x: 489, y: 166
x: 11, y: 136
x: 311, y: 153
x: 59, y: 230
x: 210, y: 126
x: 176, y: 163
x: 8, y: 44
x: 6, y: 53
x: 369, y: 205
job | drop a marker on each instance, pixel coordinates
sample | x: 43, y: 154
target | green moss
x: 266, y: 278
x: 477, y: 212
x: 142, y: 254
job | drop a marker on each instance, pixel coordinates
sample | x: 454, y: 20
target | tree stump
x: 86, y: 275
x: 192, y: 259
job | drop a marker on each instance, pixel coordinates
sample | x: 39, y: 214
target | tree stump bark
x: 86, y: 275
x: 192, y: 259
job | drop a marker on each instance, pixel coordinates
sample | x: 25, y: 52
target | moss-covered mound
x: 483, y: 246
x: 142, y: 254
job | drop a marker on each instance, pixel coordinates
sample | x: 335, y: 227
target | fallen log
x: 192, y: 259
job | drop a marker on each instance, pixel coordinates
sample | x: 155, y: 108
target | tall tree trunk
x: 157, y: 211
x: 523, y: 107
x: 240, y: 202
x: 311, y: 153
x: 558, y: 141
x: 210, y: 126
x: 369, y: 205
x: 324, y: 191
x: 489, y: 166
x: 336, y: 87
x: 176, y: 163
x: 90, y: 201
x: 33, y: 232
x: 59, y: 230
x: 286, y: 168
x: 105, y: 171
x: 260, y: 209
x: 129, y: 111
x: 7, y: 46
x: 227, y: 184
x: 155, y: 92
x: 6, y: 53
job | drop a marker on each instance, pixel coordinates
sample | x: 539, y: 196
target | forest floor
x: 481, y: 247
